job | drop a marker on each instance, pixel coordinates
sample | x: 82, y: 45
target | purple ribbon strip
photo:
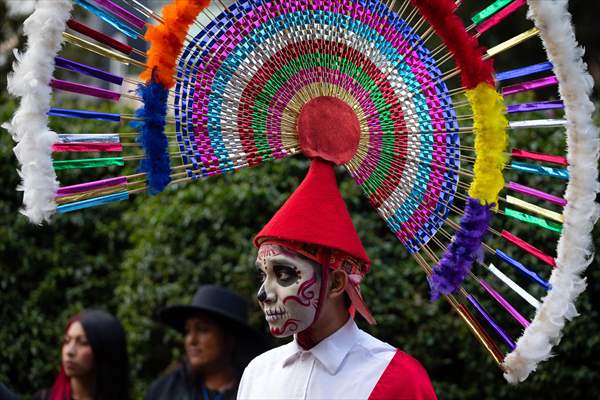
x: 502, y: 301
x: 509, y: 342
x: 530, y: 85
x: 87, y: 70
x: 121, y: 13
x: 87, y: 90
x: 537, y: 106
x: 84, y: 187
x: 536, y: 193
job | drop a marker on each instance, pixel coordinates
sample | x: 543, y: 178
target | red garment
x: 403, y: 379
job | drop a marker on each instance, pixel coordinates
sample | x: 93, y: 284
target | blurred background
x: 132, y: 258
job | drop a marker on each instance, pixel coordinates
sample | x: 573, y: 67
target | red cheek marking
x: 304, y: 294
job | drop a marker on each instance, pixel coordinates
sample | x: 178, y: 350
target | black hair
x: 107, y: 339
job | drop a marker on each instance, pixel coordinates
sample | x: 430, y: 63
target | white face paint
x: 289, y: 294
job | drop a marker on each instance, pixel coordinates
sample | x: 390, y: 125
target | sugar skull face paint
x: 289, y: 294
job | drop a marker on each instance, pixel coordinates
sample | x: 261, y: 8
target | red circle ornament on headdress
x: 328, y: 128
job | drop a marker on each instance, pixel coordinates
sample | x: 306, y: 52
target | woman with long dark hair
x: 94, y: 361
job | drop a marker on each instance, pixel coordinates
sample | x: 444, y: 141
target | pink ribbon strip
x: 87, y: 147
x: 505, y: 12
x: 560, y: 160
x: 84, y: 187
x: 502, y: 301
x: 534, y: 251
x: 536, y: 193
x: 80, y: 88
x: 530, y: 85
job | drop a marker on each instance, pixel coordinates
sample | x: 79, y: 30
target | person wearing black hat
x: 218, y: 342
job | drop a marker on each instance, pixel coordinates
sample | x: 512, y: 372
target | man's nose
x: 264, y: 295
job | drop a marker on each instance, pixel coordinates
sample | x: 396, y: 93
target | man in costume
x: 311, y: 262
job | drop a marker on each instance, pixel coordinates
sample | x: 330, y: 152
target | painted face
x: 289, y: 294
x: 77, y: 354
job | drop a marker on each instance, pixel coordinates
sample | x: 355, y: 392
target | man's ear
x: 338, y: 280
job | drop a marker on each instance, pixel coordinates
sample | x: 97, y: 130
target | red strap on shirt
x: 403, y: 379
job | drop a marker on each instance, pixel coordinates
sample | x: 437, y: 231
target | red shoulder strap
x: 403, y: 379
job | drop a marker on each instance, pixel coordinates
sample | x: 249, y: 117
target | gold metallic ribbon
x: 510, y: 43
x: 535, y: 209
x: 77, y: 41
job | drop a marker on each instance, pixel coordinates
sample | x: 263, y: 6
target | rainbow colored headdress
x: 221, y: 88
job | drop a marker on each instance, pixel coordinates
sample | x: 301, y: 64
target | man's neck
x: 324, y: 327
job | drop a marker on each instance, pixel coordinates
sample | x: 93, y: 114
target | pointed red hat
x: 316, y: 214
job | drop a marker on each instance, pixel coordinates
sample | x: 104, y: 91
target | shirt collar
x: 330, y: 352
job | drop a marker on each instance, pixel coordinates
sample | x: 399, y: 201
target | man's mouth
x: 274, y: 314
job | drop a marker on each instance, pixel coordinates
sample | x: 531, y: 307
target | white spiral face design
x: 289, y: 294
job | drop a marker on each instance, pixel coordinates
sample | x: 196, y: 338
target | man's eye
x: 285, y: 273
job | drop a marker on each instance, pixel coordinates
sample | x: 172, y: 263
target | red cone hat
x: 316, y: 214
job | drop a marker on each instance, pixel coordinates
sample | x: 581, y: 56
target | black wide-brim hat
x: 222, y: 304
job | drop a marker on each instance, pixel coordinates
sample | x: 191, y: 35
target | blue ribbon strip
x: 524, y: 270
x: 109, y: 19
x: 561, y: 173
x: 100, y: 116
x: 78, y: 205
x: 524, y: 71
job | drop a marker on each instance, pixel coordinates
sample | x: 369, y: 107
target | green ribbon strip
x: 489, y: 11
x: 530, y: 219
x: 88, y: 163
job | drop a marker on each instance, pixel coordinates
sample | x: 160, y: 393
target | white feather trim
x: 29, y: 124
x: 574, y: 252
x: 18, y: 8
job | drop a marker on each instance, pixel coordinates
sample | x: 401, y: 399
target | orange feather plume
x: 166, y: 39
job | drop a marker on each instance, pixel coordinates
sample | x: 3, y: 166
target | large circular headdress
x: 411, y: 104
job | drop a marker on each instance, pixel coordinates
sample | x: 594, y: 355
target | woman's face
x: 289, y: 294
x: 77, y: 354
x: 206, y: 345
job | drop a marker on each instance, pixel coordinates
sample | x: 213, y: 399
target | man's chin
x: 288, y: 328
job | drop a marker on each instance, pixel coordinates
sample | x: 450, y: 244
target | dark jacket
x: 6, y: 394
x: 180, y: 384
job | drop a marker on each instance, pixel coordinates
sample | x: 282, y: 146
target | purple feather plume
x: 464, y: 249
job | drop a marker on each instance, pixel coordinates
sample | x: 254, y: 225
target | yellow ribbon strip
x: 535, y: 209
x: 510, y: 43
x: 491, y: 140
x: 94, y: 48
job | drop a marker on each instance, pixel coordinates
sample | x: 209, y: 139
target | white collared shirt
x: 345, y: 365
